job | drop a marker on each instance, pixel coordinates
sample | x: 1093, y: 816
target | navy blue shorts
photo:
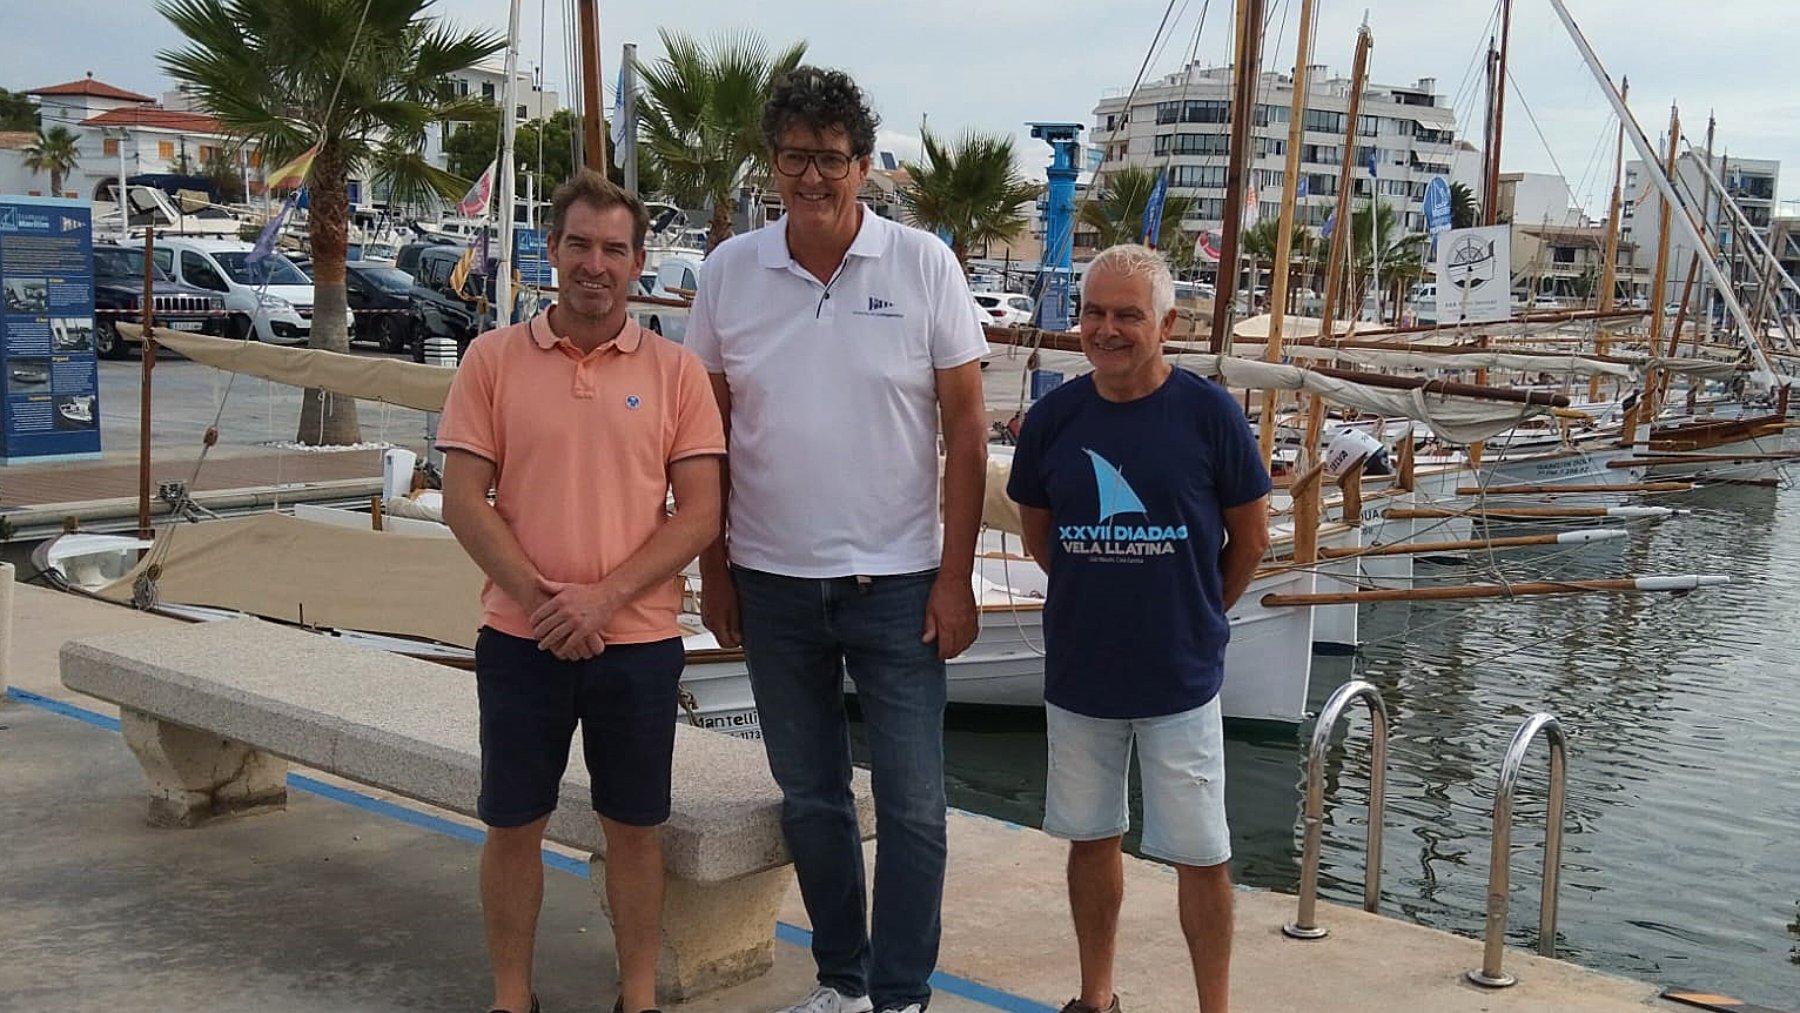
x: 531, y: 701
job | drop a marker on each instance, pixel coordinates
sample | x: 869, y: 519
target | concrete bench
x: 214, y: 711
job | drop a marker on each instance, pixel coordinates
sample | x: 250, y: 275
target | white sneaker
x: 914, y: 1008
x: 830, y: 1000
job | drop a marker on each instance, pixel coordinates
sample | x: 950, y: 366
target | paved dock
x: 355, y: 901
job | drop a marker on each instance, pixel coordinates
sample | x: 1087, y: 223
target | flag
x: 265, y: 240
x: 1301, y: 192
x: 617, y: 133
x: 1330, y: 224
x: 294, y: 172
x: 1371, y: 164
x: 1205, y: 247
x: 474, y: 204
x: 1252, y: 209
x: 459, y: 275
x: 1153, y: 209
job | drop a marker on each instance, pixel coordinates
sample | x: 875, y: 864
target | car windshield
x: 388, y: 279
x: 988, y: 301
x: 277, y: 270
x: 123, y: 264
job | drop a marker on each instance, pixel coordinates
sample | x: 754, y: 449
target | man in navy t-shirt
x: 1144, y: 498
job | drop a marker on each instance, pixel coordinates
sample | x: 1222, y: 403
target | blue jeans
x: 801, y: 635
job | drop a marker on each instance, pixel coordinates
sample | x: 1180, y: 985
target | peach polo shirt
x: 581, y: 446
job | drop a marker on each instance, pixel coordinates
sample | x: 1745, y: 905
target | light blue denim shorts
x: 1181, y: 758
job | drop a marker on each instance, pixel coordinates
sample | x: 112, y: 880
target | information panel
x: 52, y: 380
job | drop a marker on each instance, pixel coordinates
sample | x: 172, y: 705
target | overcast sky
x: 994, y: 64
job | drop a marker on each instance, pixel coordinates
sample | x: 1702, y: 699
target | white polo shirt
x: 834, y: 421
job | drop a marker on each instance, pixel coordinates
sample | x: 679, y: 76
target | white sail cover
x: 394, y: 381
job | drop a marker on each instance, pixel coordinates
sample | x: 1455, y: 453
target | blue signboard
x: 1437, y: 205
x: 531, y: 257
x: 1043, y: 381
x: 52, y: 379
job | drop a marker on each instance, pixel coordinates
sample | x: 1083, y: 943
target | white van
x: 673, y: 277
x: 280, y: 313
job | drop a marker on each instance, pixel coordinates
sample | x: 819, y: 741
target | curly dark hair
x: 820, y: 100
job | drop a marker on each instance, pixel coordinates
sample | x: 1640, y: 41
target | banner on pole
x: 1474, y: 275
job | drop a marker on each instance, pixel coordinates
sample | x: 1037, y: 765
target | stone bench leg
x: 714, y: 935
x: 196, y: 776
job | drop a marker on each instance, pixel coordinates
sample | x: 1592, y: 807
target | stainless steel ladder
x: 1305, y: 924
x: 1490, y: 974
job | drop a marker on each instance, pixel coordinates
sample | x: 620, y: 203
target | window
x: 1321, y: 154
x: 1206, y: 111
x: 1319, y: 184
x: 1267, y: 114
x: 487, y: 90
x: 1562, y: 254
x: 164, y: 258
x: 1206, y: 176
x: 1167, y: 112
x: 1324, y: 121
x: 1112, y: 122
x: 110, y: 147
x: 165, y: 149
x: 1261, y: 178
x: 1192, y: 144
x: 196, y: 271
x: 1271, y: 146
x: 1366, y: 126
x: 256, y: 159
x: 206, y: 152
x: 522, y: 114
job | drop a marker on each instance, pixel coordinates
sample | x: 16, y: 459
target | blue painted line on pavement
x: 950, y: 984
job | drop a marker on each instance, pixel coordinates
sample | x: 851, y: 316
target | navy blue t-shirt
x: 1134, y: 621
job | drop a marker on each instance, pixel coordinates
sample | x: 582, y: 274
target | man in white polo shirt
x: 838, y: 342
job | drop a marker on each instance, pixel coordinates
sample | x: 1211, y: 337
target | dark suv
x: 119, y: 286
x: 439, y: 311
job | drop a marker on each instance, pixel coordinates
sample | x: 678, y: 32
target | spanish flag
x: 294, y: 172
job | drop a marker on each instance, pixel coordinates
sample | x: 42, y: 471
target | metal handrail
x: 1490, y: 973
x: 1305, y: 925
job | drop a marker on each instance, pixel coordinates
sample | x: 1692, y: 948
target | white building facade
x: 1182, y: 123
x: 1752, y: 184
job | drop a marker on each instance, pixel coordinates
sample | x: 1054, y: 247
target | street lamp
x: 120, y: 194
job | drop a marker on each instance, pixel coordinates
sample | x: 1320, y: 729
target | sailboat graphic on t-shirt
x: 1116, y: 495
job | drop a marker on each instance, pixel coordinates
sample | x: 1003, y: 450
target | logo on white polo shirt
x: 632, y: 401
x: 879, y: 307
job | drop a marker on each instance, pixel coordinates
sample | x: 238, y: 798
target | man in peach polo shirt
x: 580, y: 423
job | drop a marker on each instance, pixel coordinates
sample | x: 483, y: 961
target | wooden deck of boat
x: 38, y: 486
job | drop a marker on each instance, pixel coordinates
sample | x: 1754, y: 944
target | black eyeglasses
x: 831, y: 164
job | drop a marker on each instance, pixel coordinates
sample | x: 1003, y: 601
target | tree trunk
x: 719, y: 229
x: 328, y: 419
x: 55, y: 182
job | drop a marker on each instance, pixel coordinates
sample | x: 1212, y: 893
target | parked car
x: 381, y: 300
x: 1005, y: 309
x: 119, y: 288
x: 272, y: 299
x: 438, y: 309
x: 674, y: 277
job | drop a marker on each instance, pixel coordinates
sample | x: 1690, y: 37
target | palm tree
x: 54, y: 152
x: 702, y: 118
x: 1402, y: 254
x: 968, y: 191
x: 1259, y: 241
x: 1116, y: 210
x: 362, y: 79
x: 1463, y: 209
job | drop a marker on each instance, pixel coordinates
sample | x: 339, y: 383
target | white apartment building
x: 108, y: 121
x: 1752, y: 183
x: 487, y: 80
x: 1182, y: 122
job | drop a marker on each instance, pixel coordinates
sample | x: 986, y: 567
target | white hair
x: 1135, y: 261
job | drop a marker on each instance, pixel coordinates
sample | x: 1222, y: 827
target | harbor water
x: 1681, y: 861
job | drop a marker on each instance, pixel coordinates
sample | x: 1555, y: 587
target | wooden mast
x: 1491, y: 213
x: 1609, y: 269
x: 1340, y: 233
x: 1243, y: 112
x: 1644, y: 410
x: 593, y: 146
x: 148, y: 319
x: 1284, y: 241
